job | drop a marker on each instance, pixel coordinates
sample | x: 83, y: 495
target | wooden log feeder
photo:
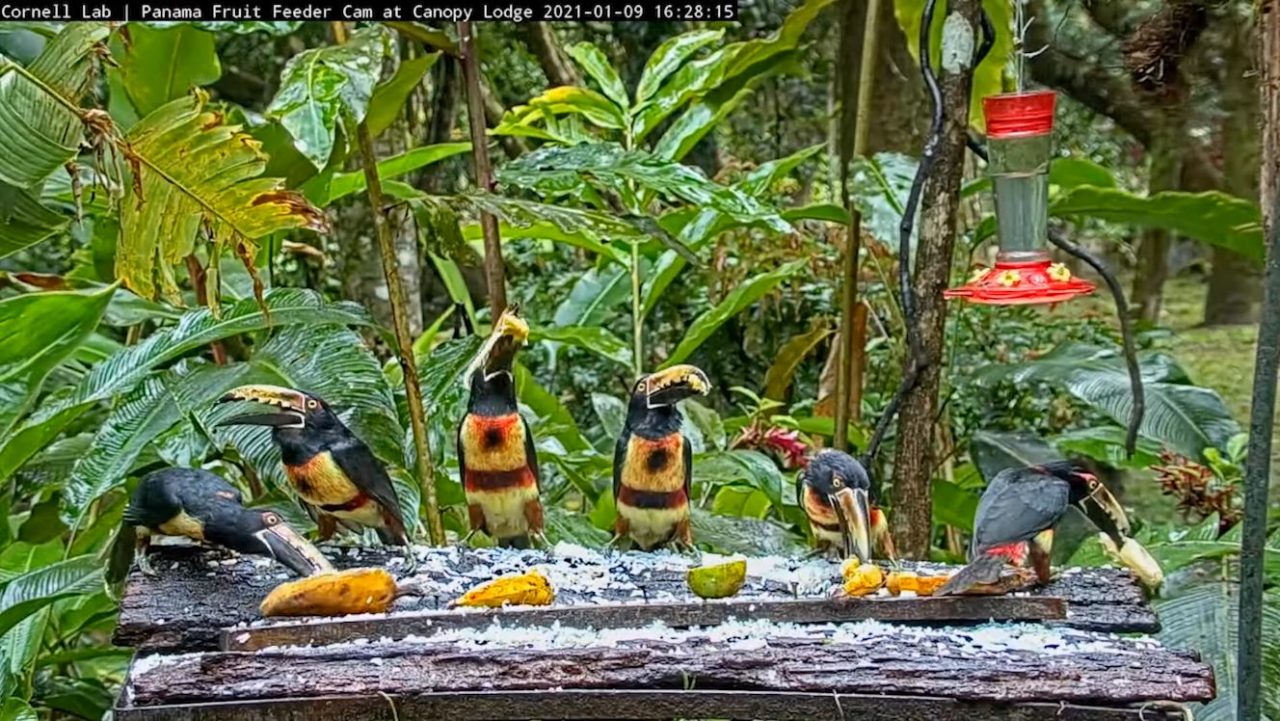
x: 625, y: 638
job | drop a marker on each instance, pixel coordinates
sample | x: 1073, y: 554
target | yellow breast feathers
x: 655, y: 465
x: 493, y: 443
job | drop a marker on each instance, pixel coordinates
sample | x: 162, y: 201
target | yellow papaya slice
x: 525, y: 589
x: 358, y: 590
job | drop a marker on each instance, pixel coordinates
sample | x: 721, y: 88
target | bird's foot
x: 145, y: 567
x: 620, y: 543
x: 410, y: 558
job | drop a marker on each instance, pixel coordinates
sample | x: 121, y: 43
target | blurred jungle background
x: 185, y: 210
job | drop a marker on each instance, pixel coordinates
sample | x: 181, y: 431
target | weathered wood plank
x: 635, y: 705
x: 186, y: 606
x: 676, y: 615
x: 998, y: 663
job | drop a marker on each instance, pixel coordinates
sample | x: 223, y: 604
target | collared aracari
x: 834, y: 490
x: 1017, y: 514
x: 653, y: 462
x: 198, y: 505
x: 336, y: 476
x: 496, y: 454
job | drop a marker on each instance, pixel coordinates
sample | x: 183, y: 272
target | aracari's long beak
x: 1107, y: 514
x: 670, y: 386
x: 853, y: 509
x: 509, y: 334
x: 294, y: 551
x: 292, y: 405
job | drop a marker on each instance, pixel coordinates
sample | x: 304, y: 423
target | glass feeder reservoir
x: 1019, y: 148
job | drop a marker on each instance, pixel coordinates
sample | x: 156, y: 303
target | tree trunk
x: 1235, y: 282
x: 541, y: 40
x: 940, y: 203
x: 1166, y: 151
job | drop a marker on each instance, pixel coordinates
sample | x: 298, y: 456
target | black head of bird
x: 1092, y: 498
x: 666, y: 388
x: 263, y: 533
x: 294, y: 411
x: 492, y: 377
x: 842, y: 482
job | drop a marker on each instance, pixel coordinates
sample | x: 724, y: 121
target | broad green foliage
x: 25, y: 221
x: 160, y: 65
x: 194, y: 174
x: 322, y: 85
x: 37, y: 133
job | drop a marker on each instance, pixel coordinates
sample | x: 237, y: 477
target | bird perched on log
x: 199, y: 505
x: 336, y: 476
x: 653, y: 462
x: 495, y: 446
x: 1016, y: 517
x: 834, y: 490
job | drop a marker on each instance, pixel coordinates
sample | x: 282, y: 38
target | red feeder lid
x: 1022, y: 284
x: 1019, y: 114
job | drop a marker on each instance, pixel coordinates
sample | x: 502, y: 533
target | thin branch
x: 494, y: 271
x: 400, y: 317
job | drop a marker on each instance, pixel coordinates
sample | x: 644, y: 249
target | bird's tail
x: 983, y: 570
x: 517, y: 542
x: 120, y: 554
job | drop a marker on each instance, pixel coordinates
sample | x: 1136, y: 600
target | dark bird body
x: 496, y: 453
x: 653, y: 461
x: 199, y: 505
x: 1017, y: 514
x: 336, y: 476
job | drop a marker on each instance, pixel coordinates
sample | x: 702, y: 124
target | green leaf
x: 557, y: 101
x: 612, y: 413
x: 195, y: 171
x: 576, y: 528
x: 668, y: 58
x: 707, y: 421
x: 37, y: 134
x: 1212, y: 217
x: 1069, y: 357
x: 124, y: 370
x: 16, y: 709
x: 1106, y: 443
x: 319, y: 85
x: 37, y: 589
x: 1067, y: 173
x: 747, y: 536
x: 988, y: 78
x: 344, y: 184
x: 751, y: 468
x: 549, y: 410
x: 879, y: 186
x: 778, y: 378
x: 826, y: 212
x: 993, y: 451
x: 25, y: 221
x: 38, y: 331
x: 763, y: 177
x: 160, y: 65
x: 739, y: 300
x: 741, y: 502
x: 580, y: 228
x: 592, y: 60
x: 596, y: 339
x: 953, y: 505
x: 389, y: 98
x: 594, y: 296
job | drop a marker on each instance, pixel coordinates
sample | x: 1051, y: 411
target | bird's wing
x: 619, y: 458
x: 531, y: 454
x: 1018, y: 505
x: 357, y: 461
x: 800, y: 487
x: 462, y: 454
x: 688, y: 468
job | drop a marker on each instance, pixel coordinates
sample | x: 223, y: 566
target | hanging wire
x: 916, y: 361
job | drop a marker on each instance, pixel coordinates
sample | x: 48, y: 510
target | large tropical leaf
x: 778, y: 378
x: 25, y: 220
x: 743, y: 296
x: 587, y: 229
x: 592, y: 298
x: 20, y: 644
x: 192, y: 170
x: 591, y: 59
x: 36, y: 589
x: 1067, y: 358
x: 124, y: 370
x: 597, y: 339
x: 37, y: 332
x: 994, y: 451
x: 751, y: 468
x: 879, y: 186
x: 320, y: 85
x: 37, y: 133
x: 747, y: 536
x: 160, y: 65
x: 612, y: 413
x: 344, y: 184
x: 388, y: 98
x: 763, y: 177
x: 668, y: 58
x: 1212, y: 217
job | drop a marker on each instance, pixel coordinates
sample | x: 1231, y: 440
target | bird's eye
x: 270, y: 519
x: 838, y: 482
x: 313, y: 404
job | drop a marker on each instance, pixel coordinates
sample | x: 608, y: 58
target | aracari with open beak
x: 495, y: 446
x: 199, y: 505
x: 334, y: 473
x: 1017, y: 514
x: 834, y: 491
x: 653, y: 461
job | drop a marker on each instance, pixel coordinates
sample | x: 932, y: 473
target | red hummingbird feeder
x: 1019, y: 146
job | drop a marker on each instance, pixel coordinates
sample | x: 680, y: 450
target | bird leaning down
x: 336, y: 476
x: 1017, y: 514
x: 653, y: 461
x: 834, y: 491
x: 496, y: 455
x: 199, y: 505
